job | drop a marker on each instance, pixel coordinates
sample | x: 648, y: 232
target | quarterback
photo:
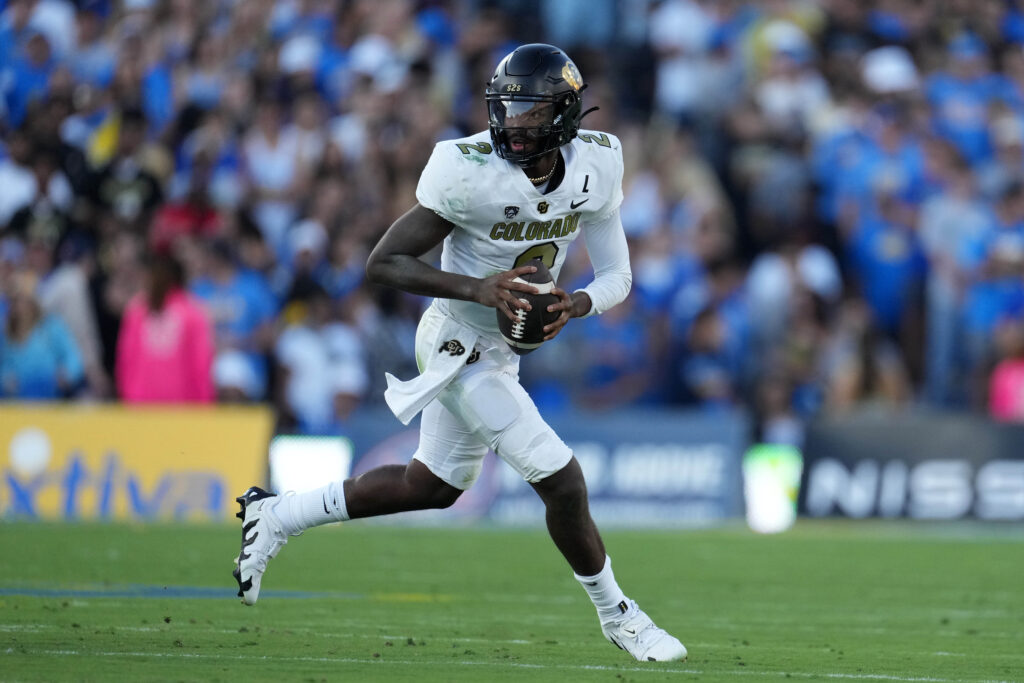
x: 523, y: 190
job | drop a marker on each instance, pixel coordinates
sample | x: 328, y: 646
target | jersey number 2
x: 545, y: 252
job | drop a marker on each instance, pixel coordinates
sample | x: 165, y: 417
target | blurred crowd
x: 824, y: 200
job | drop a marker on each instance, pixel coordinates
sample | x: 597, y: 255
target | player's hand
x: 564, y: 307
x: 497, y: 290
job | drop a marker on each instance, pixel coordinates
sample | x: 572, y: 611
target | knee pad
x: 494, y: 405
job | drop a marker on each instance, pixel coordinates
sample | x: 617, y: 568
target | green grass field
x: 360, y: 602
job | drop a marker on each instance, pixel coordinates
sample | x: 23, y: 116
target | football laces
x: 519, y: 326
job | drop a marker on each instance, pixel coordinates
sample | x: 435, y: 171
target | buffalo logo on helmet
x: 572, y: 76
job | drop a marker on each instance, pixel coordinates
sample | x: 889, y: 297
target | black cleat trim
x: 255, y: 493
x: 237, y: 574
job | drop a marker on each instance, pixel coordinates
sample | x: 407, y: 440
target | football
x: 527, y: 332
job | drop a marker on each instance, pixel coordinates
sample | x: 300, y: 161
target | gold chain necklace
x: 546, y: 176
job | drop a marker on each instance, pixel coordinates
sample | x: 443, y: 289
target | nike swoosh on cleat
x: 326, y: 511
x: 573, y: 205
x: 629, y: 631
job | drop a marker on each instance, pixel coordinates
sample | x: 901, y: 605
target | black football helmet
x: 533, y: 103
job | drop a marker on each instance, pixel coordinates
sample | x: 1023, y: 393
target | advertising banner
x: 921, y: 466
x: 71, y: 462
x: 644, y: 468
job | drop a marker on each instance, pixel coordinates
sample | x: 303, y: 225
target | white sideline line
x: 514, y: 641
x: 314, y: 632
x: 518, y: 665
x: 14, y: 628
x: 400, y: 639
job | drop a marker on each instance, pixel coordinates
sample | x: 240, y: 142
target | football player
x: 523, y: 190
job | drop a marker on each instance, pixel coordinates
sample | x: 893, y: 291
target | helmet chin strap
x: 592, y: 109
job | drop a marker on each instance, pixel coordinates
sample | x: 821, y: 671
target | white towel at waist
x: 452, y: 344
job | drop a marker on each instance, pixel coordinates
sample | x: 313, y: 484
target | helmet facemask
x: 525, y: 127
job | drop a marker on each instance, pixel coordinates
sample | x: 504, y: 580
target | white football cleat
x: 262, y: 538
x: 635, y: 633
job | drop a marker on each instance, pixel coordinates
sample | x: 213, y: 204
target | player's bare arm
x: 395, y: 262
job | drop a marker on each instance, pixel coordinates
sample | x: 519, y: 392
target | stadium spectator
x: 345, y: 268
x: 800, y: 357
x: 950, y: 224
x: 881, y: 131
x: 1006, y: 385
x: 45, y: 217
x: 961, y: 95
x: 322, y: 364
x: 707, y: 378
x: 776, y: 420
x: 680, y: 33
x: 45, y: 125
x: 888, y: 265
x: 64, y: 292
x: 193, y: 215
x: 202, y: 77
x: 165, y: 346
x: 619, y: 348
x: 93, y: 57
x: 38, y: 356
x: 775, y: 281
x: 30, y: 69
x: 127, y: 192
x: 276, y: 175
x: 1006, y: 165
x: 241, y: 306
x: 860, y: 366
x: 21, y: 173
x: 996, y: 288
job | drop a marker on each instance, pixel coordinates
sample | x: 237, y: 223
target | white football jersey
x: 502, y: 221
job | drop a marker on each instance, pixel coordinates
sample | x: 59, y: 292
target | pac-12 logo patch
x: 511, y: 212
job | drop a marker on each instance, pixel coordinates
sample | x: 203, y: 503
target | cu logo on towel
x: 453, y: 346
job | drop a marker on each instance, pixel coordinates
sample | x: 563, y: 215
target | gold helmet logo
x: 572, y: 76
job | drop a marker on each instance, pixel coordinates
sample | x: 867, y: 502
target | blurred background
x: 824, y: 202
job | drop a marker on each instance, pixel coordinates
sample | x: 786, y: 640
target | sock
x: 304, y: 510
x: 604, y: 592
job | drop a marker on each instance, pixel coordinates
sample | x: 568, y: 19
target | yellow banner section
x: 102, y: 462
